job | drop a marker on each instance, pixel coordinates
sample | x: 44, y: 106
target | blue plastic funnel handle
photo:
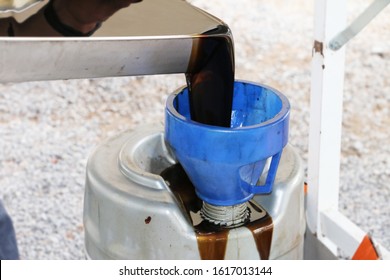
x: 267, y: 187
x: 225, y: 164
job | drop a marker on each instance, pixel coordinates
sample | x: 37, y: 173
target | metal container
x: 131, y: 213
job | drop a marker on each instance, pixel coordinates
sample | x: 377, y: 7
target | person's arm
x: 6, y: 26
x: 65, y: 18
x: 87, y: 15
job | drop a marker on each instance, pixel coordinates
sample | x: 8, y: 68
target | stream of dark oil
x: 210, y: 78
x: 212, y: 239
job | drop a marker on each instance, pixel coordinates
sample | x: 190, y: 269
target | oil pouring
x: 218, y: 182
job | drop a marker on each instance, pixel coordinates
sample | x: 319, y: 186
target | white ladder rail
x: 324, y: 220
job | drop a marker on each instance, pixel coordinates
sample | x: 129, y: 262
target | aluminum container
x: 131, y: 213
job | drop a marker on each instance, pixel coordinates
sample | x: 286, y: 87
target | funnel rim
x: 279, y: 117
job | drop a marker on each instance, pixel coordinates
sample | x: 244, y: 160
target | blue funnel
x: 225, y: 164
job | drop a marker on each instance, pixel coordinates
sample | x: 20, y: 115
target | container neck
x: 226, y: 216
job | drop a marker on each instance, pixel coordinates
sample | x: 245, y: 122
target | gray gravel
x: 48, y: 129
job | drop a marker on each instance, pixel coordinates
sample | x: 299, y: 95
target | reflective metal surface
x: 158, y: 18
x: 151, y: 37
x: 17, y: 5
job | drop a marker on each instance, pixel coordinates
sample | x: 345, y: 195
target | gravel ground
x: 48, y: 129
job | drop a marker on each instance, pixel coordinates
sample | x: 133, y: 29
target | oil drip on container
x: 212, y: 239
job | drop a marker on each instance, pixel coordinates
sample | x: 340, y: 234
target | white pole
x: 325, y: 116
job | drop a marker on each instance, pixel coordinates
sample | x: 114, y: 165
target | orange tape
x: 366, y: 250
x: 305, y: 188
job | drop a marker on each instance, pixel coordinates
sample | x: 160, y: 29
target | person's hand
x: 84, y: 15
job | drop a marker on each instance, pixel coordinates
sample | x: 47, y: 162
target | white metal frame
x: 324, y: 220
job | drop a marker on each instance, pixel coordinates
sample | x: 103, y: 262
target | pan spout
x: 152, y: 37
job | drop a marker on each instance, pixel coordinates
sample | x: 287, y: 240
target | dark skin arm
x: 81, y: 15
x: 84, y: 15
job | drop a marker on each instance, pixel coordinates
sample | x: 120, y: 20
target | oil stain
x: 212, y: 239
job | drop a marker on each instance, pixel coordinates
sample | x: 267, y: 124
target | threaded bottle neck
x: 226, y: 216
